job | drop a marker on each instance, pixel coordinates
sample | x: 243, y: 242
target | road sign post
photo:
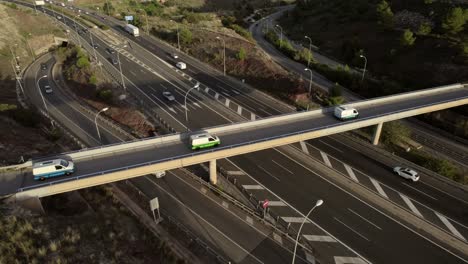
x: 154, y: 204
x: 265, y: 206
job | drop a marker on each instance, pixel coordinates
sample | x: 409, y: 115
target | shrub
x: 242, y: 31
x: 331, y: 101
x: 385, y: 14
x: 407, y: 38
x: 93, y: 79
x: 105, y: 95
x: 395, y: 132
x: 242, y: 55
x: 425, y: 28
x: 7, y: 107
x: 185, y: 36
x: 227, y: 21
x: 82, y: 62
x: 26, y: 117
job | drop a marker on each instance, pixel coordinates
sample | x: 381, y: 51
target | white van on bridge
x: 52, y: 168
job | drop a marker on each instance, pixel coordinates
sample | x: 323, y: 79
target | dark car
x: 96, y: 46
x: 114, y: 61
x: 43, y: 66
x: 111, y: 51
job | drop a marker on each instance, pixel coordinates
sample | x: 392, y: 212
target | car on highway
x: 407, y: 173
x: 96, y: 46
x: 59, y: 17
x: 48, y: 89
x: 175, y: 56
x: 114, y: 61
x: 111, y: 51
x: 181, y: 65
x: 168, y: 96
x: 43, y: 66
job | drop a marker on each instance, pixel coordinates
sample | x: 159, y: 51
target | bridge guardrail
x: 367, y: 119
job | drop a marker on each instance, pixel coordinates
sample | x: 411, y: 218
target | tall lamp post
x: 317, y: 204
x: 40, y: 92
x: 196, y: 86
x: 365, y: 65
x: 224, y: 55
x: 178, y: 38
x: 27, y: 42
x: 310, y: 80
x: 281, y: 35
x: 95, y: 121
x: 121, y: 74
x: 310, y: 50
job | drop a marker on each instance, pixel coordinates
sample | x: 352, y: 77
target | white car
x: 407, y: 173
x: 175, y: 56
x: 168, y: 96
x: 48, y: 89
x: 181, y: 65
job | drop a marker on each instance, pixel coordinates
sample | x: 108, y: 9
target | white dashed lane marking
x: 350, y: 172
x: 319, y: 238
x: 304, y: 147
x: 411, y: 205
x: 325, y: 159
x: 294, y: 219
x: 252, y: 187
x: 349, y: 260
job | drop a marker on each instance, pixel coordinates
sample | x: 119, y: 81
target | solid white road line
x: 267, y: 172
x: 310, y: 258
x: 252, y: 187
x: 278, y: 238
x: 281, y: 166
x: 325, y: 143
x: 350, y: 172
x: 325, y: 159
x: 419, y: 191
x: 304, y: 147
x: 294, y: 219
x: 319, y: 238
x: 466, y: 202
x: 411, y: 205
x: 368, y: 221
x: 235, y: 173
x: 378, y: 187
x: 195, y: 103
x: 349, y: 260
x: 357, y: 233
x: 450, y: 226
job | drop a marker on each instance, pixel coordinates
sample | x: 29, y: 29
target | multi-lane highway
x: 414, y: 245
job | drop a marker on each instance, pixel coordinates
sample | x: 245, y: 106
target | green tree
x: 407, y: 38
x: 455, y: 20
x: 395, y: 132
x: 185, y: 36
x: 385, y: 14
x: 82, y: 62
x: 242, y: 54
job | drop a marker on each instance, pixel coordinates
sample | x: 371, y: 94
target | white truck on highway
x: 132, y: 30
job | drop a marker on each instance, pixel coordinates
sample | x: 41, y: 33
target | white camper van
x: 204, y: 140
x: 345, y: 112
x: 52, y: 168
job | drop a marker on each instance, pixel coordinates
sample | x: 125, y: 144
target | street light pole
x: 365, y: 65
x: 178, y: 38
x: 30, y: 49
x: 185, y: 101
x: 310, y: 50
x: 95, y: 121
x: 224, y: 55
x: 121, y: 74
x: 310, y: 81
x: 94, y: 50
x: 317, y: 204
x: 281, y: 35
x: 40, y: 92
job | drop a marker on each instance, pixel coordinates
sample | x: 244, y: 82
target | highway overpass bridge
x: 117, y: 162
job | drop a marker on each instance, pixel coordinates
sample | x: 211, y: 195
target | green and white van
x: 204, y: 140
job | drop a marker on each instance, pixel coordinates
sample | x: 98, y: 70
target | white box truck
x: 204, y: 140
x: 345, y: 112
x: 52, y: 168
x: 132, y: 30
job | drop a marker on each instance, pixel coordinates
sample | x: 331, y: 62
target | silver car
x: 48, y: 89
x: 407, y: 173
x: 168, y: 96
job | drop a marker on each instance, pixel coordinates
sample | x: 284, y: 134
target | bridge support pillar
x: 213, y: 173
x: 377, y: 132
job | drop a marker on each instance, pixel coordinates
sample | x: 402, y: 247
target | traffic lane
x: 244, y: 234
x: 200, y: 74
x: 437, y: 200
x: 182, y: 211
x: 144, y: 79
x: 302, y: 189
